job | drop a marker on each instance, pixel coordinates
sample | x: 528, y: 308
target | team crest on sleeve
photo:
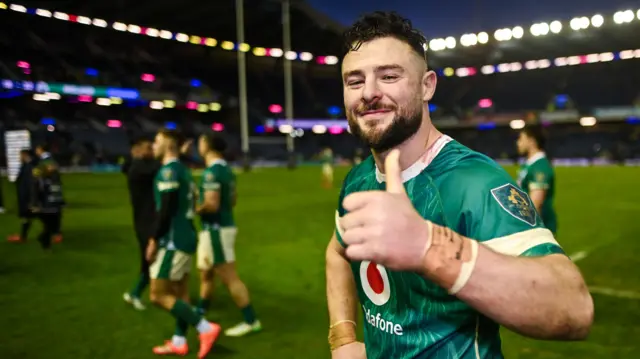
x: 167, y: 173
x: 540, y: 177
x: 209, y: 177
x: 516, y: 202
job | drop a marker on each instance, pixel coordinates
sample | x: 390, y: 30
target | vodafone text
x: 382, y: 324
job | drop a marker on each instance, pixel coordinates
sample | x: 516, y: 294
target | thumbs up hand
x: 383, y: 226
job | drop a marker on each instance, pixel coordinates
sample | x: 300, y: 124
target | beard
x: 404, y: 125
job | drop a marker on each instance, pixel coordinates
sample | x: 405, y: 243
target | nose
x: 370, y: 91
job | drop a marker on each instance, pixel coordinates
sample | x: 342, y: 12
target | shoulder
x: 359, y: 176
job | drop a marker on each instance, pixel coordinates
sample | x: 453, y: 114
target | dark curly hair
x: 380, y: 24
x: 537, y: 134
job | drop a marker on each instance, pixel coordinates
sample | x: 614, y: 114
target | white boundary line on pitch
x: 627, y: 294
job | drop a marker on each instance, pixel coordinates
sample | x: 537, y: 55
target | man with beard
x: 436, y: 242
x: 536, y: 175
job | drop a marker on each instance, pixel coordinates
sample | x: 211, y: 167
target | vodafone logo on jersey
x: 375, y: 282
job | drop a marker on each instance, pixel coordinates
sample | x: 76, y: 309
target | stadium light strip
x: 436, y: 44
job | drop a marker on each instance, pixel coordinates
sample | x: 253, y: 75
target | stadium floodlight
x: 462, y: 72
x: 244, y: 47
x: 306, y: 56
x: 588, y: 121
x: 227, y: 45
x: 319, y: 129
x: 638, y: 14
x: 61, y: 16
x: 43, y: 13
x: 40, y: 97
x: 450, y: 42
x: 593, y: 58
x: 3, y: 6
x: 483, y: 37
x: 574, y: 60
x: 134, y: 29
x: 449, y: 71
x: 169, y: 103
x: 517, y: 124
x: 517, y: 32
x: 83, y: 20
x: 504, y: 67
x: 575, y: 24
x: 99, y: 23
x: 156, y: 105
x: 606, y: 56
x: 503, y: 34
x: 275, y: 52
x: 151, y: 32
x: 544, y: 63
x: 285, y: 128
x: 211, y: 42
x: 555, y: 26
x: 331, y: 60
x: 196, y: 40
x: 560, y: 61
x: 531, y: 65
x: 182, y: 37
x: 626, y: 54
x: 116, y: 100
x: 597, y: 20
x: 259, y: 51
x: 622, y: 17
x: 291, y: 55
x: 103, y: 102
x: 119, y: 26
x: 437, y: 44
x: 487, y: 69
x: 53, y: 95
x: 469, y: 40
x: 18, y: 8
x: 215, y: 106
x: 515, y: 66
x: 167, y: 35
x: 203, y: 107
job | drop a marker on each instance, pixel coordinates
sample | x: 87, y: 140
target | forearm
x: 544, y: 298
x: 341, y: 297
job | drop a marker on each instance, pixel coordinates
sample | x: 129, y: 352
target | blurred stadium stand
x: 582, y: 84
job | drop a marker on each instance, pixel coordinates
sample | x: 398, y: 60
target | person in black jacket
x: 24, y: 182
x: 141, y: 170
x: 47, y: 200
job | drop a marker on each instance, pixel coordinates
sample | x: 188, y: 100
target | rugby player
x: 326, y: 158
x: 24, y: 184
x: 434, y: 242
x: 216, y: 245
x: 46, y: 200
x: 536, y: 176
x: 46, y: 160
x: 172, y: 246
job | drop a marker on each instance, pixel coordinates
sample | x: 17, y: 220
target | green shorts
x: 171, y: 265
x: 216, y: 246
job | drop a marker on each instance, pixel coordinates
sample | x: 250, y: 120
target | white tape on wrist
x: 465, y: 270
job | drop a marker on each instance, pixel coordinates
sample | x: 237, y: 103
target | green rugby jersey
x: 219, y: 177
x: 407, y: 316
x: 537, y: 173
x: 174, y: 176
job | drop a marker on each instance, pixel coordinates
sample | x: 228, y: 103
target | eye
x: 389, y: 77
x: 354, y: 82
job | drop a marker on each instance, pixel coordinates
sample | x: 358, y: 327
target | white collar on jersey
x: 217, y: 161
x: 533, y: 159
x: 422, y: 163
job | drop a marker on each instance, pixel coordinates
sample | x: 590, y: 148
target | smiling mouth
x: 374, y: 112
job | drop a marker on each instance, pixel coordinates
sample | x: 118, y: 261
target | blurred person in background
x: 44, y: 160
x: 434, y: 242
x: 171, y: 248
x: 326, y: 158
x: 47, y: 200
x: 537, y: 176
x: 141, y: 170
x: 24, y: 184
x: 216, y: 244
x: 2, y: 210
x: 358, y: 157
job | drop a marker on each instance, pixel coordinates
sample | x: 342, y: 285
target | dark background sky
x: 455, y: 17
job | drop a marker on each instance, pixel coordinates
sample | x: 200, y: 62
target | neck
x: 169, y: 157
x: 534, y: 152
x: 211, y: 157
x: 413, y: 148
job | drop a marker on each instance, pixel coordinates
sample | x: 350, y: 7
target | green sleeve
x: 211, y: 179
x: 168, y: 180
x: 540, y: 177
x: 340, y: 211
x: 482, y: 202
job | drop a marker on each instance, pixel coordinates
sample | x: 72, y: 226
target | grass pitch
x: 69, y: 305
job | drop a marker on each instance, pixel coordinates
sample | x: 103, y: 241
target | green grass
x: 69, y: 305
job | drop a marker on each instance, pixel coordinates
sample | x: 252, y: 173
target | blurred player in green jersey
x: 435, y: 241
x: 216, y: 245
x: 536, y: 175
x: 172, y: 246
x: 326, y: 158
